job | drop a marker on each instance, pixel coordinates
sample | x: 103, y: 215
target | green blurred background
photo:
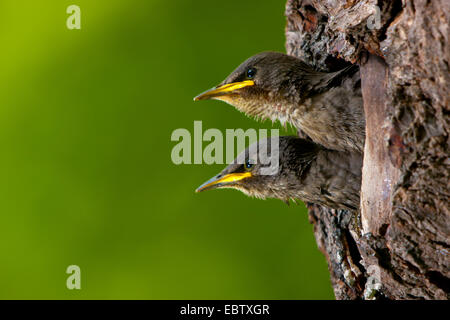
x: 86, y: 174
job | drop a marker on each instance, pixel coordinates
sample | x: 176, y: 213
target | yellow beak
x: 224, y: 90
x: 219, y: 181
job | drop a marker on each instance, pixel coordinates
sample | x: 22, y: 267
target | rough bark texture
x: 400, y: 246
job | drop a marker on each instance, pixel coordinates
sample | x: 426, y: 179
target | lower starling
x: 304, y: 171
x: 326, y: 106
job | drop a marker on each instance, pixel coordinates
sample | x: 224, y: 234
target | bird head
x: 260, y: 86
x: 267, y: 169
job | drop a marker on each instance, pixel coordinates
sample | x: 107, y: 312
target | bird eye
x: 248, y: 164
x: 251, y: 73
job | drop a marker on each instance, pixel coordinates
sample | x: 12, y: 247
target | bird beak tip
x: 223, y: 90
x: 221, y: 180
x: 202, y: 96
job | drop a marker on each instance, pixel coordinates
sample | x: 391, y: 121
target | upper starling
x: 328, y: 107
x: 305, y: 171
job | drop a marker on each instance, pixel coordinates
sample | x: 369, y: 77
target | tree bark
x: 400, y: 246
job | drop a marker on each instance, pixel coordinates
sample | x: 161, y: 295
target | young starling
x: 328, y: 107
x: 298, y: 169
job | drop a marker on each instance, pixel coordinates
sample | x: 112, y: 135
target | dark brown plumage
x: 305, y: 171
x: 327, y: 107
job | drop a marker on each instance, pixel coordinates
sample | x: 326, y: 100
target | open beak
x: 223, y: 90
x: 220, y: 180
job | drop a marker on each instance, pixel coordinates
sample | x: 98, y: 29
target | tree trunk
x: 402, y: 248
